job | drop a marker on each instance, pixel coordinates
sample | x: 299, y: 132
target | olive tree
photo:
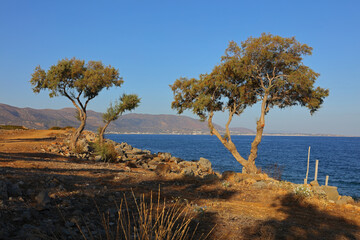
x: 77, y: 81
x: 113, y: 112
x: 267, y: 70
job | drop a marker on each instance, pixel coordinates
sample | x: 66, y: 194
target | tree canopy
x: 127, y: 102
x: 267, y: 70
x: 77, y: 81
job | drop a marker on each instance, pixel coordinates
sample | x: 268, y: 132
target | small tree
x: 126, y: 103
x: 77, y: 81
x: 268, y: 70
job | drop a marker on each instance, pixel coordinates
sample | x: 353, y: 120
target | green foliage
x: 12, y: 127
x: 266, y: 66
x: 126, y: 103
x: 77, y: 81
x: 267, y: 70
x: 106, y: 151
x: 302, y: 191
x: 74, y: 76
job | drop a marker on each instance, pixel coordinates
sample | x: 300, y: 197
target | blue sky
x: 153, y: 43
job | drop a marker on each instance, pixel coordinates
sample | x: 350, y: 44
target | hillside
x: 128, y: 123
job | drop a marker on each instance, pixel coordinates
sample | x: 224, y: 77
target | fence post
x: 327, y: 180
x: 307, y: 169
x: 316, y: 169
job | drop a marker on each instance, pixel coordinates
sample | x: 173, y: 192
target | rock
x: 175, y: 160
x: 43, y: 198
x: 345, y: 200
x: 165, y: 156
x: 314, y: 183
x: 230, y: 176
x: 145, y: 166
x: 249, y: 181
x: 188, y: 171
x: 331, y: 193
x: 260, y: 185
x: 211, y: 177
x: 136, y: 151
x: 3, y: 191
x: 131, y: 164
x: 126, y: 147
x: 156, y: 159
x: 205, y: 165
x: 162, y: 169
x: 153, y: 164
x: 14, y: 190
x: 90, y: 138
x: 84, y: 145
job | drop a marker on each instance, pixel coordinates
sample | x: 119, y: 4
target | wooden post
x: 316, y: 169
x: 327, y: 180
x: 307, y: 169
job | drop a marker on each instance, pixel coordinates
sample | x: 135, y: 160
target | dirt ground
x: 76, y: 188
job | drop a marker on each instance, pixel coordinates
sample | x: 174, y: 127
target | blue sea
x: 339, y: 157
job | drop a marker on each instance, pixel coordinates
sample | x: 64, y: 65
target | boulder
x: 14, y: 190
x: 131, y: 164
x: 345, y: 200
x: 162, y: 169
x: 205, y: 165
x: 188, y: 171
x: 42, y: 198
x: 165, y: 156
x: 314, y: 183
x: 136, y: 151
x: 331, y: 193
x: 175, y: 160
x: 249, y: 181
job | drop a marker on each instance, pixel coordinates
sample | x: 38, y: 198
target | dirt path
x: 74, y: 187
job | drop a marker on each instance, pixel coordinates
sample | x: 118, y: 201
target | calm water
x: 339, y: 157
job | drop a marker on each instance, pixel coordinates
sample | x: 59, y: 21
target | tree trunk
x: 78, y: 131
x: 259, y: 132
x: 102, y: 131
x: 229, y: 145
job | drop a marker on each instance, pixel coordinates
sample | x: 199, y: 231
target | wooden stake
x: 316, y: 169
x: 326, y: 180
x: 307, y: 169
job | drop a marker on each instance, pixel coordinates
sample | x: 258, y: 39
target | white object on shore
x: 316, y: 169
x: 326, y: 180
x: 307, y: 169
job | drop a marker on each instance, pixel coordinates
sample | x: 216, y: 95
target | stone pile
x: 162, y: 163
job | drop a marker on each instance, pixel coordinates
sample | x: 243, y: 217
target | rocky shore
x: 47, y: 192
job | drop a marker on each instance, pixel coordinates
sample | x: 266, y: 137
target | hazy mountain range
x: 128, y: 123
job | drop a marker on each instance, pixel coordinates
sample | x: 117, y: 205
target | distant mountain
x: 128, y: 123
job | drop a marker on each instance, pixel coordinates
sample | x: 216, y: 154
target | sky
x: 153, y: 43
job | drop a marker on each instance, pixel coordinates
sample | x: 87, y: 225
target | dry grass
x: 142, y: 218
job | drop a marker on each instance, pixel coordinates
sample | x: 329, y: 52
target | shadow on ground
x: 303, y: 221
x: 84, y: 203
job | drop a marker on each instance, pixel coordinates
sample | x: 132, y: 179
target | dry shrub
x: 145, y: 219
x: 106, y: 151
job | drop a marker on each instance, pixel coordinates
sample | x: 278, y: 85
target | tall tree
x: 77, y: 81
x: 125, y: 103
x: 266, y: 70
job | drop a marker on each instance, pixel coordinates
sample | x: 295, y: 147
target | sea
x: 287, y: 156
